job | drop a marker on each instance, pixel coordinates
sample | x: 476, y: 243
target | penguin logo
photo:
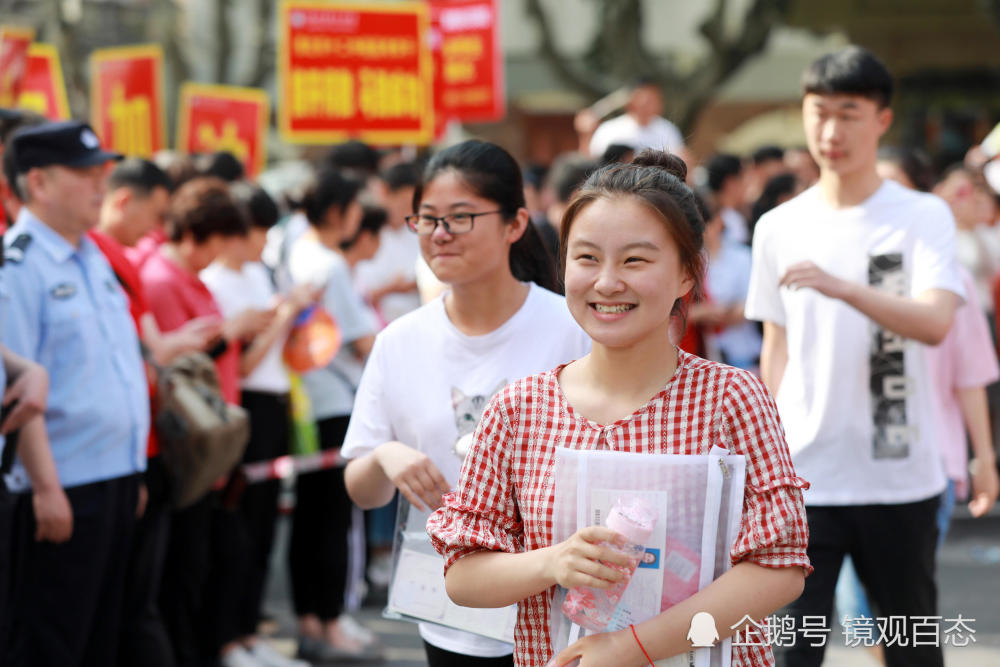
x: 703, y: 632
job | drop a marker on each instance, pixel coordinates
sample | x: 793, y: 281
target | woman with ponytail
x: 631, y: 243
x: 318, y: 550
x: 432, y: 370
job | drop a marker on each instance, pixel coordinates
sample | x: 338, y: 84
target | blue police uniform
x: 67, y: 311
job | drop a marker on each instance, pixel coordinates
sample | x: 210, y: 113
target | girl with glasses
x: 432, y: 371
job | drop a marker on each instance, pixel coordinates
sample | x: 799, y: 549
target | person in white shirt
x: 432, y: 371
x: 388, y: 280
x: 318, y: 547
x: 239, y: 281
x: 977, y: 242
x: 852, y: 278
x: 641, y: 126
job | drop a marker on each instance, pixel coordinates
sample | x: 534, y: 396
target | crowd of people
x: 827, y: 311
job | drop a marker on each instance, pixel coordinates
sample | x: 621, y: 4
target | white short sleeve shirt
x: 854, y: 398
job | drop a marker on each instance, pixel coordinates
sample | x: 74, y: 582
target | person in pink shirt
x: 201, y: 216
x: 961, y: 366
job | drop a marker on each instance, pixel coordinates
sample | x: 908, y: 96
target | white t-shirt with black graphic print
x: 426, y: 385
x: 854, y: 399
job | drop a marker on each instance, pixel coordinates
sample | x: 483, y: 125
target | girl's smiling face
x: 477, y: 254
x: 623, y: 272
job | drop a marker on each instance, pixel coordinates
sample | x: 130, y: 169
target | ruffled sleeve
x: 773, y: 530
x: 482, y: 513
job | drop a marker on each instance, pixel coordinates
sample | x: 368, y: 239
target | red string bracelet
x: 641, y: 647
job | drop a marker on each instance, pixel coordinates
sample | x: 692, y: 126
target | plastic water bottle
x: 592, y: 608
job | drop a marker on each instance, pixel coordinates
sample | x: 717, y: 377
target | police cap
x: 67, y: 143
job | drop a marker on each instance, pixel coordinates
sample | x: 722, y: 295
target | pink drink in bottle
x: 592, y: 608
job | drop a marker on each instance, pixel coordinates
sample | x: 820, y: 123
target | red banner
x: 44, y: 89
x: 14, y: 44
x: 468, y: 62
x: 126, y: 99
x: 224, y: 118
x: 355, y: 70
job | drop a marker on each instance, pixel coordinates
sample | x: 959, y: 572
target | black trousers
x: 144, y: 640
x: 318, y: 550
x: 243, y: 536
x: 69, y: 596
x: 438, y: 657
x: 270, y: 422
x: 893, y: 549
x: 185, y: 574
x: 6, y: 556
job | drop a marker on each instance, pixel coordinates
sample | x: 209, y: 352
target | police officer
x: 67, y: 312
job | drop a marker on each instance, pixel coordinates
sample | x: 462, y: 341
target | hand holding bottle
x: 589, y: 606
x: 588, y: 558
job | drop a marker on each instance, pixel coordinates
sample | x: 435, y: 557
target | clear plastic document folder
x: 417, y: 590
x: 700, y: 504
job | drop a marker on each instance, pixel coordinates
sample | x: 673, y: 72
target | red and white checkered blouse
x: 502, y: 504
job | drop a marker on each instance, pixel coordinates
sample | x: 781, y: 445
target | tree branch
x: 713, y: 27
x: 264, y: 57
x: 562, y: 69
x: 223, y: 41
x: 727, y: 55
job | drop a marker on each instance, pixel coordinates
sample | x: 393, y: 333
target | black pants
x: 318, y: 550
x: 6, y: 555
x: 69, y: 596
x: 242, y: 537
x: 438, y: 657
x: 144, y: 639
x: 185, y: 574
x: 893, y: 549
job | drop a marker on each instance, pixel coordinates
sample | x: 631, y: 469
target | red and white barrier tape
x: 284, y: 467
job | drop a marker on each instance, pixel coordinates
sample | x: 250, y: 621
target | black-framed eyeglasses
x: 454, y: 223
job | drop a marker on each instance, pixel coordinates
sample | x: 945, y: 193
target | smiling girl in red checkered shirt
x: 631, y: 243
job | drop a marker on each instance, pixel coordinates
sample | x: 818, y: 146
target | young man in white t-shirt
x: 852, y: 279
x: 641, y: 126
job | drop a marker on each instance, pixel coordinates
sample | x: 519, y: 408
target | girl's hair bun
x: 664, y: 160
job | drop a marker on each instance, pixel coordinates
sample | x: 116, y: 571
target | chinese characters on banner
x: 44, y: 90
x: 354, y: 70
x: 224, y: 118
x: 126, y: 99
x: 14, y: 45
x: 468, y: 64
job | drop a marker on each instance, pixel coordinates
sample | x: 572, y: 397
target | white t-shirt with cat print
x: 426, y: 384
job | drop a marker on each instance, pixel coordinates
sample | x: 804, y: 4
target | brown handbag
x: 201, y: 436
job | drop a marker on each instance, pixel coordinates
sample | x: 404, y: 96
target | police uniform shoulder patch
x: 14, y: 252
x: 63, y: 291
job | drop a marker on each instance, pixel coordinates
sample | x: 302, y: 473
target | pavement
x: 968, y: 584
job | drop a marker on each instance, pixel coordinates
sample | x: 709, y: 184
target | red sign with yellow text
x: 44, y: 90
x: 224, y: 118
x: 468, y: 63
x: 14, y: 45
x: 352, y: 70
x: 126, y: 99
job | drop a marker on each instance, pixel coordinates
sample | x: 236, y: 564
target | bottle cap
x: 633, y: 517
